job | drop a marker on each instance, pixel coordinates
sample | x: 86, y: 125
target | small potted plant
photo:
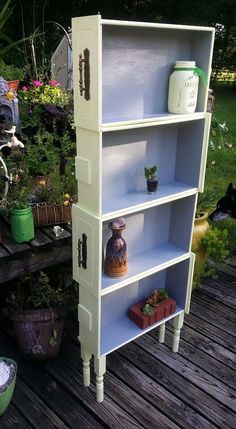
x: 8, y: 369
x: 37, y: 308
x: 151, y: 177
x: 13, y: 75
x: 156, y: 307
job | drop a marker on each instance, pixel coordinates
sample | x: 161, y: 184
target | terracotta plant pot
x: 39, y: 332
x: 159, y: 312
x: 13, y: 85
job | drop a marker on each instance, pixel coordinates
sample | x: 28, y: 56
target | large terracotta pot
x: 200, y: 228
x: 39, y: 332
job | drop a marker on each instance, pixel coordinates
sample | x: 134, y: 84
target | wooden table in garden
x: 43, y: 251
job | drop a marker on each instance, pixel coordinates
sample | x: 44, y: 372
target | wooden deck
x: 41, y: 252
x: 146, y: 384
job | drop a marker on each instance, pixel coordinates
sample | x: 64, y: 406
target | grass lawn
x: 221, y: 162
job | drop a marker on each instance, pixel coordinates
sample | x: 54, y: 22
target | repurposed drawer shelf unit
x: 121, y: 72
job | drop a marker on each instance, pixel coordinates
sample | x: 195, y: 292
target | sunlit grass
x: 221, y: 162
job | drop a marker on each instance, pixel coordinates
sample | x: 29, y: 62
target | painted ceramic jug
x: 116, y: 250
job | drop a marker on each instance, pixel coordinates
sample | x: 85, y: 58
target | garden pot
x: 13, y: 85
x: 161, y: 311
x: 39, y: 332
x: 200, y: 228
x: 22, y: 225
x: 50, y: 214
x: 152, y: 185
x: 7, y: 390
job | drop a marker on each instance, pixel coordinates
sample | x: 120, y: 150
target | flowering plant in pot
x: 156, y: 307
x: 52, y: 204
x: 151, y: 177
x: 37, y: 308
x: 8, y: 370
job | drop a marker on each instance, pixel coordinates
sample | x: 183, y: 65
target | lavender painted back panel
x: 125, y: 153
x: 136, y: 68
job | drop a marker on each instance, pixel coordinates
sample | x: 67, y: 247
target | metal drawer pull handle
x: 82, y: 252
x: 84, y: 81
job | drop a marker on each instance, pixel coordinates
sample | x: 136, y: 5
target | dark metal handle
x: 84, y: 81
x: 82, y: 252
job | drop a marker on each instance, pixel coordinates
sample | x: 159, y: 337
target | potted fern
x: 151, y: 177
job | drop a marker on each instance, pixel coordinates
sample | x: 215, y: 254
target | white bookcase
x: 122, y: 124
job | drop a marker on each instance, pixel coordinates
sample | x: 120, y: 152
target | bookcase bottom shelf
x: 123, y: 331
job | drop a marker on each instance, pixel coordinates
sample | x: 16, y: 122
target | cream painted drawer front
x: 86, y: 258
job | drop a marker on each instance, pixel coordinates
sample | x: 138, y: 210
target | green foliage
x: 41, y: 158
x: 19, y: 197
x: 147, y: 310
x: 35, y: 291
x: 150, y: 173
x: 221, y: 160
x: 157, y: 296
x: 10, y: 72
x: 215, y: 244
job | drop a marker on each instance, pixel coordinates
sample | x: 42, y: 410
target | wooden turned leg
x: 86, y: 356
x: 177, y: 323
x: 162, y: 329
x: 100, y: 369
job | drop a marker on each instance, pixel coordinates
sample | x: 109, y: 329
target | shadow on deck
x: 146, y: 384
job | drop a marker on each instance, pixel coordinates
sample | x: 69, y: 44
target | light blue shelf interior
x: 176, y: 149
x: 154, y: 236
x: 116, y: 327
x: 137, y: 63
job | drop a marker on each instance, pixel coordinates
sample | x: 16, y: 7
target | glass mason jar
x: 183, y: 88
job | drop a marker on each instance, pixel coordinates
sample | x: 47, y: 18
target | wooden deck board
x: 146, y: 384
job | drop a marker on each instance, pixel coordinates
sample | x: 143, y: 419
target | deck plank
x: 12, y: 419
x: 36, y: 410
x: 197, y: 376
x: 216, y: 412
x: 202, y: 360
x: 48, y: 390
x: 209, y: 346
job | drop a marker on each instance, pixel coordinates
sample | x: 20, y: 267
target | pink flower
x: 54, y: 83
x: 37, y: 83
x: 25, y: 88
